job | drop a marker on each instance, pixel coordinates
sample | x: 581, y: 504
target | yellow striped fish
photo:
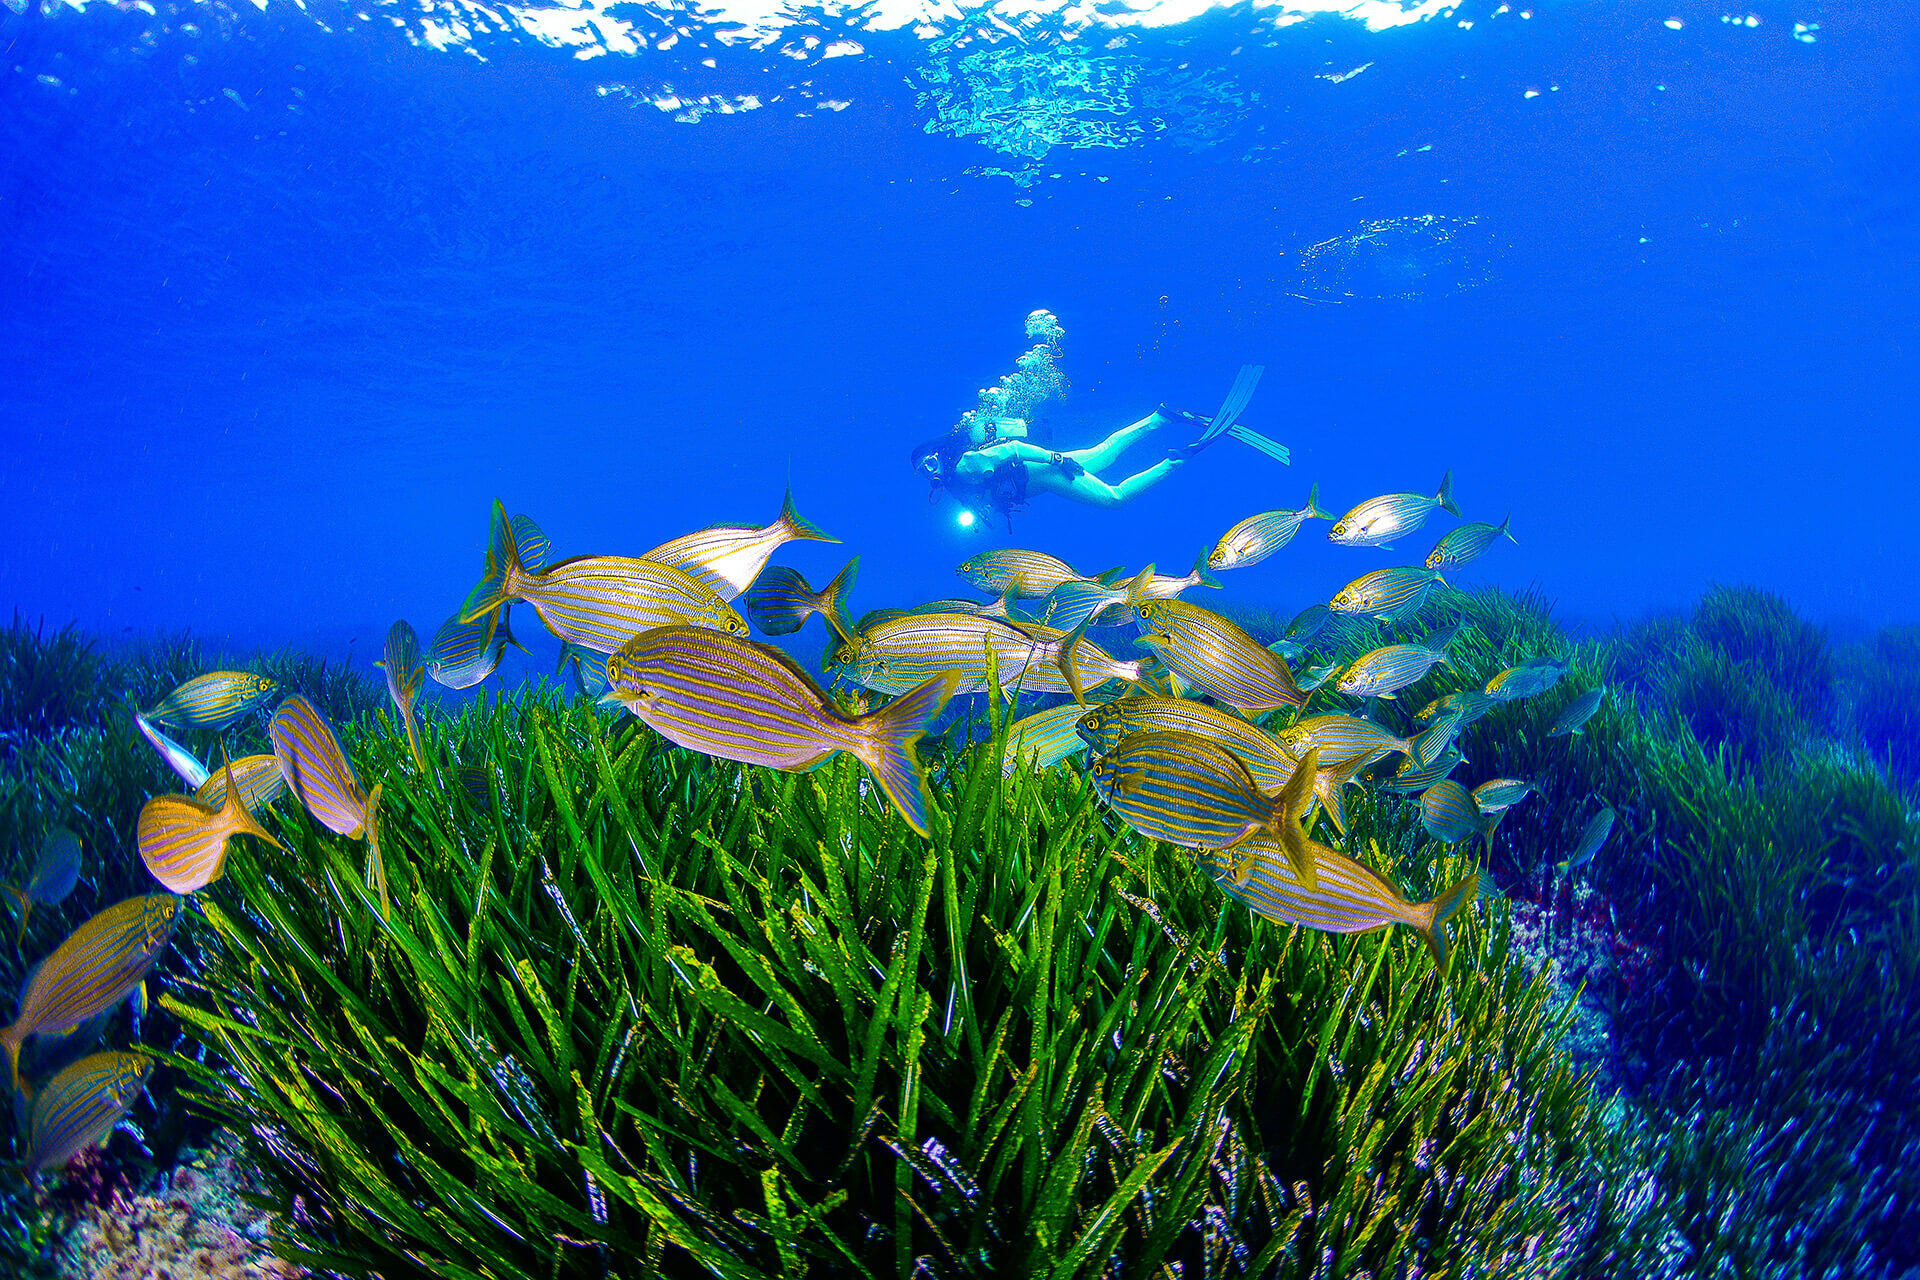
x: 1024, y: 575
x: 728, y: 557
x: 1592, y: 836
x: 184, y: 842
x: 743, y: 701
x: 601, y: 602
x: 1216, y: 657
x: 1527, y: 680
x: 257, y: 778
x: 1257, y: 537
x: 316, y: 768
x: 1386, y: 594
x: 1346, y: 896
x: 1448, y: 811
x: 80, y: 1106
x: 405, y: 675
x: 465, y: 653
x: 54, y: 874
x: 214, y: 700
x: 1467, y: 542
x: 1341, y: 739
x: 98, y: 964
x: 1266, y: 759
x: 1574, y: 716
x: 904, y: 652
x: 1183, y: 789
x: 1045, y: 738
x: 1378, y: 521
x: 782, y: 601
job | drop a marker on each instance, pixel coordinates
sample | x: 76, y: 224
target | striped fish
x: 214, y: 700
x: 465, y: 653
x: 98, y: 964
x: 1267, y: 760
x: 1385, y: 671
x: 1347, y: 897
x: 1341, y: 739
x: 1386, y: 594
x: 258, y: 779
x: 405, y: 675
x: 184, y: 842
x: 904, y: 652
x: 55, y: 871
x: 1216, y: 657
x: 782, y: 601
x: 1592, y: 836
x: 81, y: 1105
x: 600, y: 602
x: 316, y: 768
x: 1026, y: 575
x: 1527, y: 680
x: 1311, y: 623
x: 1257, y: 537
x: 1467, y: 542
x: 532, y: 544
x: 1378, y: 521
x: 1270, y: 764
x: 475, y: 781
x: 1448, y: 812
x: 1185, y: 790
x: 1112, y: 603
x: 1044, y: 738
x: 1414, y: 776
x: 1148, y: 585
x: 178, y: 758
x: 1501, y: 793
x: 743, y: 701
x: 1467, y: 704
x: 1073, y: 603
x: 588, y: 669
x: 728, y: 557
x: 1575, y: 715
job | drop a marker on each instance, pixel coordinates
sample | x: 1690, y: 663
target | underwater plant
x: 648, y: 1005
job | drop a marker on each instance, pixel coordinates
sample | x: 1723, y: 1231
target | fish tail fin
x: 412, y: 724
x: 1064, y: 658
x: 1313, y: 503
x: 884, y: 743
x: 504, y: 568
x: 1333, y: 799
x: 1507, y: 532
x: 833, y: 599
x: 1443, y: 907
x: 1291, y: 804
x: 1445, y: 496
x: 797, y: 526
x: 239, y: 818
x: 1110, y: 577
x: 1137, y: 589
x: 1203, y: 571
x: 376, y: 865
x: 13, y: 1040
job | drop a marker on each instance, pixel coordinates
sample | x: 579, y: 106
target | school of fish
x: 1202, y: 740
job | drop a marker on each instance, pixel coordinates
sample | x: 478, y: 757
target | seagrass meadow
x: 629, y: 1011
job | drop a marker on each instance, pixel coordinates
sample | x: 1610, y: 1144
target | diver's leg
x: 1104, y: 454
x: 1095, y: 492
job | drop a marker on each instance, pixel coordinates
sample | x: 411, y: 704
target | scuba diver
x: 988, y: 464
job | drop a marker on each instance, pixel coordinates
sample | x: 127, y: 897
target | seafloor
x: 628, y: 1011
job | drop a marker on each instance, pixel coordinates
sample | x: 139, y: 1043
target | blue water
x: 289, y: 295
